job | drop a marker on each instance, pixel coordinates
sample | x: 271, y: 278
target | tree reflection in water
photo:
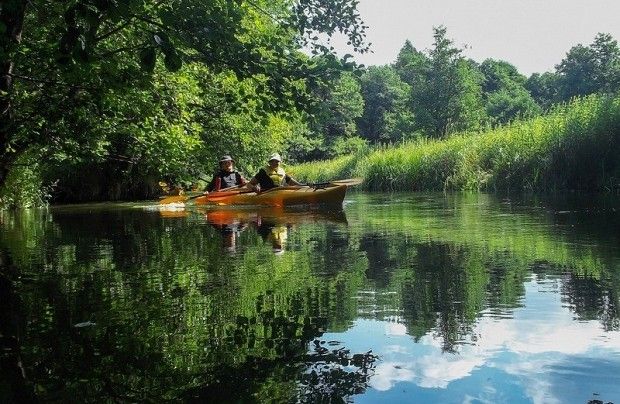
x: 131, y: 305
x: 321, y: 375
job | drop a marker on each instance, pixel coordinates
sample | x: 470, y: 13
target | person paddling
x: 271, y: 176
x: 226, y: 177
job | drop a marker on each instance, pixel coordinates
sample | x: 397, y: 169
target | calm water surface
x: 404, y: 297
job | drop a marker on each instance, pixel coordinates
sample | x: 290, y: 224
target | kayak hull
x: 281, y: 196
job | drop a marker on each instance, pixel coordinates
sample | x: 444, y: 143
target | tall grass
x: 576, y: 146
x: 325, y: 170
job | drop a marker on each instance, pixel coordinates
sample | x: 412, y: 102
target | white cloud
x: 395, y: 329
x: 389, y: 373
x: 538, y: 341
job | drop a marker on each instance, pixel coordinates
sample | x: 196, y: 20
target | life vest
x: 277, y: 176
x: 226, y: 179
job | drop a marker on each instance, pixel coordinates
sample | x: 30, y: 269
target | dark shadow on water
x: 14, y: 384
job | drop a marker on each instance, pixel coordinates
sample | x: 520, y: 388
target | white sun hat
x: 275, y: 156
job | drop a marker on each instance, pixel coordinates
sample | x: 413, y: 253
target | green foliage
x: 352, y: 145
x: 510, y: 103
x: 589, y: 69
x: 325, y: 170
x: 573, y: 147
x: 24, y: 186
x: 411, y: 65
x: 450, y: 98
x: 386, y: 117
x: 300, y: 144
x: 543, y: 88
x: 343, y: 105
x: 498, y: 75
x: 117, y: 86
x: 504, y: 93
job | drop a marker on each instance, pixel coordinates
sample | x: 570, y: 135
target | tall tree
x: 450, y: 98
x: 386, y: 114
x: 411, y: 64
x: 499, y: 74
x: 342, y: 105
x: 11, y: 25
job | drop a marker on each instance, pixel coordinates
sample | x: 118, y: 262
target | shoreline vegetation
x: 576, y: 146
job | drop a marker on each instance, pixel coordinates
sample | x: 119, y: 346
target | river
x: 402, y: 298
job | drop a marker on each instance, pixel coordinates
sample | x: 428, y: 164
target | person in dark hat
x: 226, y: 177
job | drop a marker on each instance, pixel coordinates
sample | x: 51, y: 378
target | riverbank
x: 574, y: 147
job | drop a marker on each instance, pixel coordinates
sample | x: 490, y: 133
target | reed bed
x: 575, y: 146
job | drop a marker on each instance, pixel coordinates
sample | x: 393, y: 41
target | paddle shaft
x: 183, y: 199
x: 348, y: 182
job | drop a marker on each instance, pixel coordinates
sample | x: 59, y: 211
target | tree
x: 509, y: 103
x: 543, y: 88
x: 577, y: 72
x: 82, y: 50
x: 386, y: 116
x: 499, y: 74
x: 450, y: 97
x: 589, y: 69
x: 504, y: 93
x: 411, y: 64
x: 341, y: 106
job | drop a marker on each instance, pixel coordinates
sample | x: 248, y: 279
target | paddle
x: 177, y: 199
x: 320, y: 185
x: 225, y: 194
x: 183, y: 198
x: 348, y: 182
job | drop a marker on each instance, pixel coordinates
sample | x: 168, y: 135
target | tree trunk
x: 12, y: 14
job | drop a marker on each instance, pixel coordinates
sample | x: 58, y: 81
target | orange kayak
x: 280, y: 196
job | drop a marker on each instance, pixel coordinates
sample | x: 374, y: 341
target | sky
x: 538, y: 352
x: 533, y: 35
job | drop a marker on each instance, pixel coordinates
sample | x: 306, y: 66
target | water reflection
x: 539, y: 354
x: 406, y: 297
x: 274, y: 225
x: 229, y: 226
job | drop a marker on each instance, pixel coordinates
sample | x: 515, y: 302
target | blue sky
x: 537, y: 353
x: 533, y: 35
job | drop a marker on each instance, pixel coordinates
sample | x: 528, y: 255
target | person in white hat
x: 226, y: 177
x: 272, y: 175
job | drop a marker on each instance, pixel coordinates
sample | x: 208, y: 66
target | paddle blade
x: 349, y: 182
x: 173, y: 199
